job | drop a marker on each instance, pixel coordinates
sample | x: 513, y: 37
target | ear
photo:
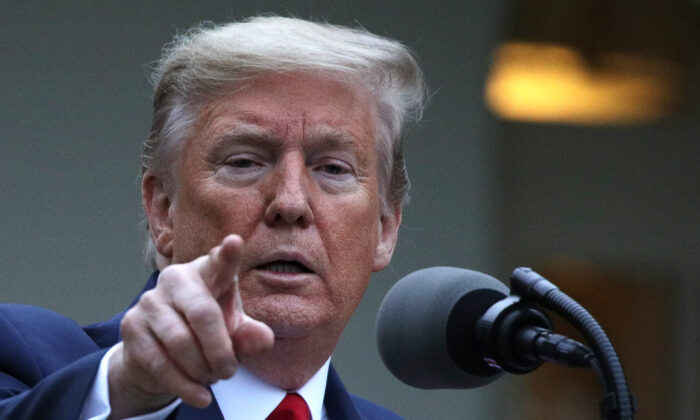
x: 389, y: 223
x: 157, y: 205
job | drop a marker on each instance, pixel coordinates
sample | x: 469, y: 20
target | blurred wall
x: 626, y: 198
x: 75, y: 106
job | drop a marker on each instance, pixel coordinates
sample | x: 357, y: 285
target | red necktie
x: 292, y: 407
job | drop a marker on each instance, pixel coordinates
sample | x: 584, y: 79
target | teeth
x: 284, y: 267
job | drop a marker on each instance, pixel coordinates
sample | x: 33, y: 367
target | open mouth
x: 280, y: 266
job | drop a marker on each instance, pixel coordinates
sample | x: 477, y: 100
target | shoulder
x: 22, y: 314
x: 39, y: 341
x: 31, y: 323
x: 28, y: 323
x: 370, y: 410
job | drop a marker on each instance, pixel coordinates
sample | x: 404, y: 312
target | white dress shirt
x: 246, y: 397
x: 242, y: 397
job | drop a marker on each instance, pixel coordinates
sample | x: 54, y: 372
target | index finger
x: 220, y: 269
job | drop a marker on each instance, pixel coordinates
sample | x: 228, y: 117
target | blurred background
x: 561, y: 135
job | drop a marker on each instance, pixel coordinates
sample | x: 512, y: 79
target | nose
x: 289, y: 202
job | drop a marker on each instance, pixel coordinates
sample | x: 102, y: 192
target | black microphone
x: 446, y: 327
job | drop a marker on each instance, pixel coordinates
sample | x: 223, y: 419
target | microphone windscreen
x: 426, y: 325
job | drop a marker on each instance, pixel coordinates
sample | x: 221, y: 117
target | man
x: 272, y: 185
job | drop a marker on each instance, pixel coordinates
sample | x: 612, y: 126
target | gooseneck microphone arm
x: 618, y: 403
x: 446, y: 327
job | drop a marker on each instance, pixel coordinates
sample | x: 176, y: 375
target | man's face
x: 288, y: 163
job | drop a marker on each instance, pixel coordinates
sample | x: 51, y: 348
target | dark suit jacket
x: 48, y: 363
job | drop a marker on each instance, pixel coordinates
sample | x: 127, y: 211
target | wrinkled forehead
x: 302, y: 107
x: 318, y: 136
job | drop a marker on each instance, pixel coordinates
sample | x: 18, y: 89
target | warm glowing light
x: 550, y: 83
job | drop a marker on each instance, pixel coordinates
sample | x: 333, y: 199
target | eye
x: 241, y: 163
x: 335, y: 174
x: 333, y: 169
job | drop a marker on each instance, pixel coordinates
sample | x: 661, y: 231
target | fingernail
x: 203, y: 398
x: 229, y: 371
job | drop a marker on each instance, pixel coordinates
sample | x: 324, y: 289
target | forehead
x: 297, y: 106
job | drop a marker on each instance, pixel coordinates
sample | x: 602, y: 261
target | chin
x: 291, y: 316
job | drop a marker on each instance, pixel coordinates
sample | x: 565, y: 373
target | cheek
x: 203, y: 219
x: 351, y: 248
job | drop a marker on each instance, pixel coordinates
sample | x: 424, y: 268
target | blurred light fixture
x: 593, y: 61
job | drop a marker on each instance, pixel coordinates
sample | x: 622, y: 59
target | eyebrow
x: 321, y: 138
x: 325, y: 137
x: 247, y: 133
x: 242, y: 134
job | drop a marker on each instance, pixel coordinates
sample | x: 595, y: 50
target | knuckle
x: 128, y: 317
x: 149, y: 300
x: 139, y: 359
x: 129, y: 325
x: 176, y: 338
x: 157, y: 365
x: 202, y: 313
x: 168, y: 272
x: 172, y: 275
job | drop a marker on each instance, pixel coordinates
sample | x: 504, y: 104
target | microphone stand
x: 617, y: 403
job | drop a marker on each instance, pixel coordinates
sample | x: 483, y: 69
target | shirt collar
x: 245, y: 396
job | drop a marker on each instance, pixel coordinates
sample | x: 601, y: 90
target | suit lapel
x: 337, y: 401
